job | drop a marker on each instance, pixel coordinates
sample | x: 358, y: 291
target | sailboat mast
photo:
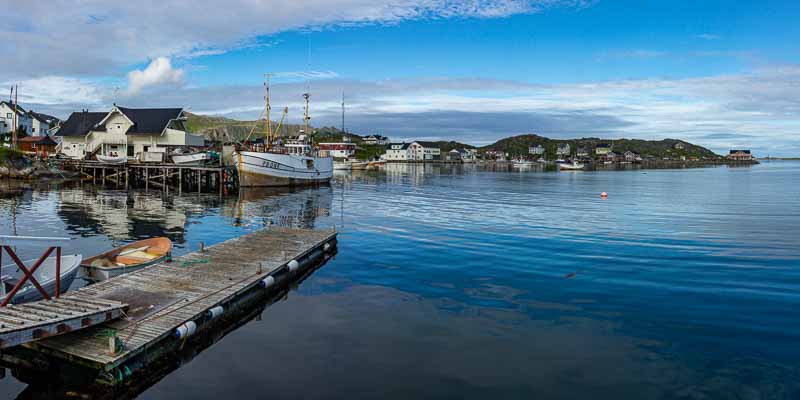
x: 344, y: 132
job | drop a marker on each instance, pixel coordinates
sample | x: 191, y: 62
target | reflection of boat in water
x: 282, y: 206
x: 522, y: 163
x: 131, y: 257
x: 45, y: 275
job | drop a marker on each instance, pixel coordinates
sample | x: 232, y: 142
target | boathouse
x: 125, y: 131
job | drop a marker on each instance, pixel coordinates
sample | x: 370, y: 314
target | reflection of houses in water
x: 417, y: 173
x: 122, y: 215
x: 282, y: 206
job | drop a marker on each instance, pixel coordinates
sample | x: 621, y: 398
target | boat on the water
x: 341, y: 165
x: 571, y: 166
x: 128, y: 258
x: 376, y: 164
x: 113, y: 160
x: 45, y: 275
x: 290, y: 162
x: 522, y: 163
x: 358, y: 165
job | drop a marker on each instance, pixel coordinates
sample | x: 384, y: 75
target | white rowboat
x: 45, y: 275
x: 114, y: 160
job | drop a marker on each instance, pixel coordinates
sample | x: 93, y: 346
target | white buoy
x: 186, y: 330
x: 326, y: 247
x: 267, y: 282
x: 293, y: 265
x: 215, y: 312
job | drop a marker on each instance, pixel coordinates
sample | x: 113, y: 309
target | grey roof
x: 43, y: 117
x: 603, y: 145
x: 404, y: 145
x: 427, y: 144
x: 149, y: 120
x: 11, y: 106
x: 80, y: 123
x: 743, y: 151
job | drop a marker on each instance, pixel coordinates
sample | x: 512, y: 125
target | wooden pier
x: 172, y: 302
x: 165, y: 176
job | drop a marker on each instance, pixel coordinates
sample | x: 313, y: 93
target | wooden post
x: 146, y: 178
x: 127, y: 173
x: 199, y: 177
x: 219, y: 181
x: 104, y: 176
x: 180, y: 180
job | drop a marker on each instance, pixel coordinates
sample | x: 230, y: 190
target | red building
x: 40, y: 145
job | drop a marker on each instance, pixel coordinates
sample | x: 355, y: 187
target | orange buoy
x: 604, y: 195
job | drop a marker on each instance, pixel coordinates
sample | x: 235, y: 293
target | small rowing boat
x: 45, y: 275
x: 128, y: 258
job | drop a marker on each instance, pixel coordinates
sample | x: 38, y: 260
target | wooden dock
x: 165, y: 176
x: 25, y: 323
x: 170, y: 302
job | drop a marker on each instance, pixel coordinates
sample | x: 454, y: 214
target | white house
x: 414, y: 151
x: 7, y: 110
x: 40, y: 123
x: 376, y: 140
x: 563, y: 149
x: 424, y: 151
x: 129, y: 131
x: 536, y: 150
x: 397, y: 152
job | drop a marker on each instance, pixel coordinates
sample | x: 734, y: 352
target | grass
x: 7, y: 154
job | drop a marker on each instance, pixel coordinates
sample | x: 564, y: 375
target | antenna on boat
x: 306, y: 96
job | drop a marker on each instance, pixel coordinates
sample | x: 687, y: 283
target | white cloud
x: 158, y: 72
x: 105, y: 37
x: 56, y: 90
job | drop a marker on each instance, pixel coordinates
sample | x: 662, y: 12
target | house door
x: 130, y: 150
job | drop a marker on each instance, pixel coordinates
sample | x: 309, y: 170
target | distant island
x: 225, y: 129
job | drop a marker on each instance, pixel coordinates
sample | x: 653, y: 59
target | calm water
x: 456, y: 282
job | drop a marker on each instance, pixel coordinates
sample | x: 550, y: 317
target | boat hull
x: 112, y: 160
x: 69, y: 269
x: 191, y: 159
x: 127, y: 259
x: 274, y: 169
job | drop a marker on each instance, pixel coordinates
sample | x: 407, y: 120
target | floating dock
x: 172, y: 302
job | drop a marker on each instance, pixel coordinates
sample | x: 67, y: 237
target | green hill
x: 518, y: 146
x: 226, y: 129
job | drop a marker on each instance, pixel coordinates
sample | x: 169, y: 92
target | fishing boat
x: 190, y: 158
x: 571, y: 166
x: 128, y: 258
x: 376, y: 164
x: 45, y: 275
x: 286, y: 163
x: 113, y: 160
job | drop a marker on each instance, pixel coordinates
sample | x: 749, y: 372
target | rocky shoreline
x: 27, y: 169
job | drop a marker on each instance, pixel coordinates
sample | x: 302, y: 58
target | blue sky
x: 718, y: 73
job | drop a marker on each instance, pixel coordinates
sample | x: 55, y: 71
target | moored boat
x: 191, y: 158
x: 128, y: 258
x: 113, y: 160
x: 358, y: 165
x: 341, y: 165
x: 45, y: 275
x: 571, y: 166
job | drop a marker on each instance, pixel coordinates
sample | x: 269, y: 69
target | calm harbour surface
x: 468, y: 282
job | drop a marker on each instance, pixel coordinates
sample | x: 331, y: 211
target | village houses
x: 375, y: 140
x: 563, y: 149
x: 537, y: 150
x: 23, y: 119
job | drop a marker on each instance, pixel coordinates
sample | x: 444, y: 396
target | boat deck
x: 164, y: 296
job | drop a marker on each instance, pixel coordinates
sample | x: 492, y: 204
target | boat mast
x: 306, y: 117
x: 344, y: 132
x: 267, y: 109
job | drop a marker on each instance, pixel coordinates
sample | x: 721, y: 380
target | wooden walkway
x: 24, y: 323
x: 165, y: 296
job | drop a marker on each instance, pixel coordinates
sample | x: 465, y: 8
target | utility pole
x: 16, y: 101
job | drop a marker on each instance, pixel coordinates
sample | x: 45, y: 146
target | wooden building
x: 39, y: 145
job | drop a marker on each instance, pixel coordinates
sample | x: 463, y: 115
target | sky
x: 721, y: 74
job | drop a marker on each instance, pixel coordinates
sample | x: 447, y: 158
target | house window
x: 9, y: 115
